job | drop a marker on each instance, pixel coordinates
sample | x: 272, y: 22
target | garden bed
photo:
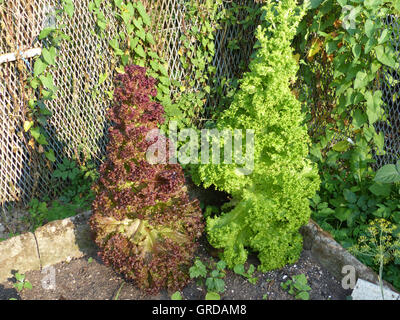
x: 88, y: 278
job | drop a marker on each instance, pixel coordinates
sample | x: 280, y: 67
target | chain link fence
x: 390, y: 87
x: 78, y: 122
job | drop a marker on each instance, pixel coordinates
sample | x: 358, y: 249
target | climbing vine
x: 41, y: 81
x: 139, y: 41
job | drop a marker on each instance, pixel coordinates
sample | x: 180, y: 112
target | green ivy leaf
x: 103, y: 77
x: 387, y: 174
x: 46, y: 32
x: 69, y: 7
x: 374, y: 101
x: 118, y: 3
x: 50, y: 155
x: 381, y: 189
x: 382, y: 56
x: 47, y: 81
x: 369, y: 28
x: 356, y: 50
x: 139, y: 50
x: 150, y: 38
x: 35, y: 132
x: 49, y: 55
x: 341, y: 146
x: 359, y: 119
x: 384, y: 37
x: 141, y: 34
x: 142, y: 11
x: 138, y: 23
x: 361, y: 80
x: 39, y: 67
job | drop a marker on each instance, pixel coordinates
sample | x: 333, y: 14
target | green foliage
x: 176, y: 296
x: 239, y: 269
x: 359, y: 48
x: 21, y: 282
x: 347, y: 46
x: 389, y: 173
x: 41, y: 83
x: 212, y: 296
x: 198, y: 270
x: 270, y: 204
x: 297, y: 286
x: 215, y: 282
x: 213, y: 278
x: 76, y: 195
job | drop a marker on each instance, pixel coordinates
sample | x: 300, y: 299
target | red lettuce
x: 143, y: 220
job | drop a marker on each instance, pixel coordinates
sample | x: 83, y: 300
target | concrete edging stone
x: 55, y: 242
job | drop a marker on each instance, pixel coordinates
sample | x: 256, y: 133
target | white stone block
x: 365, y: 290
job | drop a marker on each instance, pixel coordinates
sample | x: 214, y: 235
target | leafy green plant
x: 198, y: 270
x: 265, y: 296
x: 41, y: 83
x: 297, y: 286
x: 76, y: 180
x: 270, y: 201
x: 389, y: 173
x: 38, y: 211
x: 21, y: 282
x: 76, y: 196
x: 176, y: 296
x: 213, y: 277
x: 239, y: 269
x: 214, y: 281
x: 344, y: 47
x: 212, y: 296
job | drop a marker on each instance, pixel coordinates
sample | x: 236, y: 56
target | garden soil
x: 88, y: 278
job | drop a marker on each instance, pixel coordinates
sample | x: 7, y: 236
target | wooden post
x: 8, y: 57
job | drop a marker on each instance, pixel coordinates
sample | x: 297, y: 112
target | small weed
x: 21, y: 282
x: 214, y: 281
x: 239, y: 269
x: 297, y: 286
x: 212, y: 296
x: 265, y: 296
x: 177, y: 296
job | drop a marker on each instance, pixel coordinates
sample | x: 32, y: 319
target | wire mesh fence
x: 78, y: 122
x: 390, y: 87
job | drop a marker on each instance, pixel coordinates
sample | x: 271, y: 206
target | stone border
x: 52, y: 243
x: 63, y: 240
x: 332, y: 256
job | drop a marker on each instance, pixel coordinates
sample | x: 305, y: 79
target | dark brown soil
x: 88, y: 278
